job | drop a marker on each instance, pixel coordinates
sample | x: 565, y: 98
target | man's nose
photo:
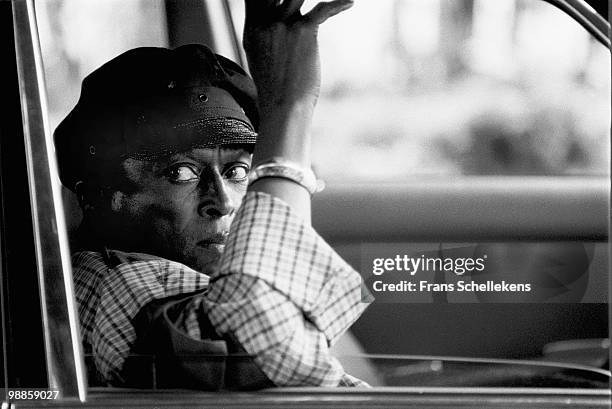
x: 216, y: 200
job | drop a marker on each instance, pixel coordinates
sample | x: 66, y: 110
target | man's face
x: 180, y: 207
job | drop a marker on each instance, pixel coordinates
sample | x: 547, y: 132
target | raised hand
x: 283, y: 55
x: 282, y: 50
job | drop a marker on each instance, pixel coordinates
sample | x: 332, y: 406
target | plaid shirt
x: 280, y: 291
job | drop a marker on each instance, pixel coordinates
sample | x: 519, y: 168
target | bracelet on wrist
x: 284, y: 169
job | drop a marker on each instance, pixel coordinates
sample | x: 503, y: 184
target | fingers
x: 259, y: 9
x: 290, y: 7
x: 262, y: 10
x: 322, y: 11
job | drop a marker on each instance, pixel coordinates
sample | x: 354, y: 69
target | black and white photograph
x: 305, y: 203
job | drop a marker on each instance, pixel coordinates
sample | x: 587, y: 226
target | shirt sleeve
x: 284, y: 295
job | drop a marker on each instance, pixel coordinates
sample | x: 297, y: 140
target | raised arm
x: 283, y: 56
x: 281, y: 292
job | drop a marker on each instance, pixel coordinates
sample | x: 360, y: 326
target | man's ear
x: 117, y: 201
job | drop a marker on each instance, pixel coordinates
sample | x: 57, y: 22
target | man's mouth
x: 216, y: 239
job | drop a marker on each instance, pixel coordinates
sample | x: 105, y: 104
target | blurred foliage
x: 506, y: 87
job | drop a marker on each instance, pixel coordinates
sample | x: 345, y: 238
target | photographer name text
x: 418, y: 265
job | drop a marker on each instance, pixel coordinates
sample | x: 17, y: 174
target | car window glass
x: 459, y: 87
x: 412, y: 88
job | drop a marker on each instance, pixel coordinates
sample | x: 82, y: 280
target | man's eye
x: 182, y: 174
x: 238, y: 172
